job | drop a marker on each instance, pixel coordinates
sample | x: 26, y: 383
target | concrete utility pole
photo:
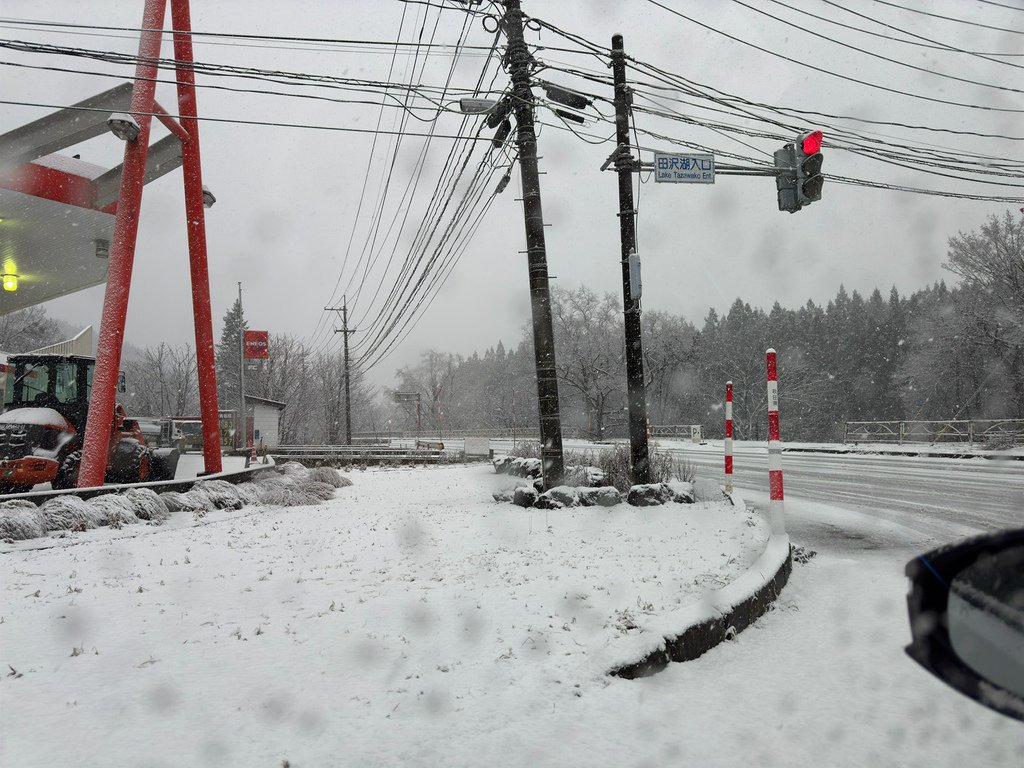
x: 348, y: 400
x: 540, y: 296
x: 635, y: 384
x: 243, y: 430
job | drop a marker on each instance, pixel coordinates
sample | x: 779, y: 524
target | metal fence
x: 999, y: 431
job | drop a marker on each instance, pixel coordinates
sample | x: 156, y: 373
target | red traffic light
x: 811, y: 142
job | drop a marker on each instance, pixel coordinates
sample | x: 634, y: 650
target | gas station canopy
x: 57, y: 212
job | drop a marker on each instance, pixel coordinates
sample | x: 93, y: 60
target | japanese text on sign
x: 684, y: 169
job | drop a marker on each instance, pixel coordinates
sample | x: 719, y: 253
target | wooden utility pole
x: 624, y: 164
x: 346, y: 331
x: 520, y: 61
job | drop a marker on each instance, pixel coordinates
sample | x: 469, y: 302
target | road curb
x: 722, y: 614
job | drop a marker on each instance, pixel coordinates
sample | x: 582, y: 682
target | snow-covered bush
x: 191, y: 501
x: 293, y: 469
x: 527, y: 449
x: 20, y: 519
x: 70, y: 513
x: 115, y: 509
x: 221, y: 493
x: 330, y: 476
x: 248, y: 492
x: 290, y: 494
x: 147, y: 504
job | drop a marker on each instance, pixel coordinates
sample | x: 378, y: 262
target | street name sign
x: 684, y: 169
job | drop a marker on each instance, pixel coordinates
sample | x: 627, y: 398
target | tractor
x: 42, y: 428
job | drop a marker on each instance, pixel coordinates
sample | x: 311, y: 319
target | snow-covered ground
x: 410, y: 621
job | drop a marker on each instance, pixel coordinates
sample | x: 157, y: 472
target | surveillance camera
x: 123, y: 126
x: 208, y: 198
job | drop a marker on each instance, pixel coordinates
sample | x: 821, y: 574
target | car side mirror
x: 966, y: 607
x: 122, y: 382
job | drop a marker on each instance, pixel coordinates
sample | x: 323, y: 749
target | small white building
x: 266, y: 421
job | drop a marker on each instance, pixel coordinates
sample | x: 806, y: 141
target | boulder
x: 525, y: 496
x: 504, y: 495
x: 565, y: 495
x: 608, y: 496
x: 649, y: 495
x: 682, y: 492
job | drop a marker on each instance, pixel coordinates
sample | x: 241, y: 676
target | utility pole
x: 243, y: 420
x: 345, y: 330
x: 540, y: 295
x: 635, y: 384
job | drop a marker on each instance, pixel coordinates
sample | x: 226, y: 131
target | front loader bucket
x: 165, y: 464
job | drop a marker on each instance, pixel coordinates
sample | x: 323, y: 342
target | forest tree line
x: 941, y: 352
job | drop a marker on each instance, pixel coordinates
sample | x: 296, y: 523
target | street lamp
x: 471, y: 106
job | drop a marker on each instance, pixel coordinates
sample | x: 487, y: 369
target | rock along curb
x: 723, y: 613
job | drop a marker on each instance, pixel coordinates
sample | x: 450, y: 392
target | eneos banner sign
x: 257, y: 345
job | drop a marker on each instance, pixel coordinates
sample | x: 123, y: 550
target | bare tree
x: 990, y: 263
x: 28, y: 329
x: 591, y: 355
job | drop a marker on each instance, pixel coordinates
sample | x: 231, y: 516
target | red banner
x: 257, y: 345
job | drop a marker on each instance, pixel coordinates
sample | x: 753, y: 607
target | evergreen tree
x: 228, y: 356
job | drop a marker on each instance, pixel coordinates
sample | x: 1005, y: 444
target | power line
x: 222, y: 70
x: 236, y: 35
x: 437, y: 107
x: 662, y: 74
x: 362, y: 193
x: 950, y: 18
x: 830, y: 72
x: 934, y: 43
x: 238, y: 121
x: 897, y: 62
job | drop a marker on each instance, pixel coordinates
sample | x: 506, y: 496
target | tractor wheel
x: 130, y: 463
x: 67, y: 475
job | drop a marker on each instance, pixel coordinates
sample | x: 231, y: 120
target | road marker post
x: 776, y: 508
x: 728, y: 437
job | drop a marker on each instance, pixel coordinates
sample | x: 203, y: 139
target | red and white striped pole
x: 776, y: 509
x: 728, y: 437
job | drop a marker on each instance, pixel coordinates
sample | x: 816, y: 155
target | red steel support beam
x: 169, y: 122
x: 195, y: 218
x: 122, y: 254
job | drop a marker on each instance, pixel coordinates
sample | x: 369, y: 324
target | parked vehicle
x: 42, y: 428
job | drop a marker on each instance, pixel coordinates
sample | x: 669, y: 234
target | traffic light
x: 808, y: 168
x: 785, y: 179
x: 799, y: 180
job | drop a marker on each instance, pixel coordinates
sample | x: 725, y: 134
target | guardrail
x: 359, y: 454
x: 953, y: 431
x: 694, y: 432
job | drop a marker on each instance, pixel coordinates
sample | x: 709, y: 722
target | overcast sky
x: 287, y: 198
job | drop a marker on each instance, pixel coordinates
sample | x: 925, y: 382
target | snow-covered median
x: 359, y: 631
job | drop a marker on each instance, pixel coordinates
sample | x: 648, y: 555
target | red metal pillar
x: 122, y: 254
x: 728, y: 437
x: 196, y: 223
x: 776, y: 508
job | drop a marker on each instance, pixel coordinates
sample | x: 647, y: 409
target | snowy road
x: 936, y: 499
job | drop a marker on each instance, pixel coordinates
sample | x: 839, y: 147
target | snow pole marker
x: 776, y: 508
x: 728, y: 437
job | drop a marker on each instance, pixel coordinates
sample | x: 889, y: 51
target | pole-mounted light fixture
x: 124, y: 126
x: 470, y: 106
